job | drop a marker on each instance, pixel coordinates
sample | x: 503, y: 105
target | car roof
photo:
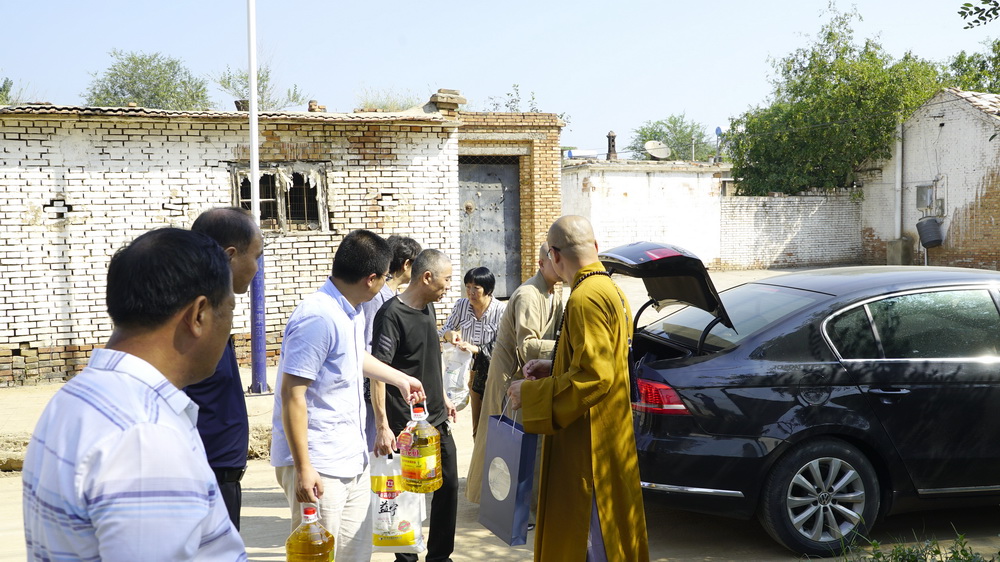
x: 842, y: 281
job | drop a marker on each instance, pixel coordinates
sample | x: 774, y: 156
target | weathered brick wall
x: 949, y: 144
x: 534, y: 139
x: 876, y: 212
x: 763, y: 232
x: 73, y: 189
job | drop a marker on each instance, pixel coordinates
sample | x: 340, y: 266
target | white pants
x: 344, y: 510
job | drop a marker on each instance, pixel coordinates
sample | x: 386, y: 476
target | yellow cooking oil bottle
x: 310, y: 541
x: 420, y: 454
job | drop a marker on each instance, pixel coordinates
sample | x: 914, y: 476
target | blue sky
x: 608, y: 65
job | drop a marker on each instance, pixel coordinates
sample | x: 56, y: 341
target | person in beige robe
x: 527, y: 331
x: 590, y: 501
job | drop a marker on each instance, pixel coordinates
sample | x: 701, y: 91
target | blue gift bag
x: 505, y: 505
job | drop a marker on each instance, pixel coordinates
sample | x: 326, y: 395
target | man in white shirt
x: 319, y: 448
x: 115, y: 469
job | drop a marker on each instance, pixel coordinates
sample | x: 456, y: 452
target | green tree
x: 835, y: 107
x: 677, y: 133
x: 237, y: 84
x: 6, y: 85
x: 985, y: 12
x: 976, y: 72
x: 149, y: 80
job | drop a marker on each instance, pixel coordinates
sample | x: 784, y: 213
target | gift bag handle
x: 503, y: 412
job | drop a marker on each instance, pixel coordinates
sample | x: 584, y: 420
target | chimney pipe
x: 612, y: 154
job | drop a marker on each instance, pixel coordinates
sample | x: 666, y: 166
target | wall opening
x: 290, y: 196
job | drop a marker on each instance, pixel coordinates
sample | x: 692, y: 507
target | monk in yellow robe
x: 590, y: 501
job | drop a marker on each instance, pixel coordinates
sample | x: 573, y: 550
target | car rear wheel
x: 820, y: 497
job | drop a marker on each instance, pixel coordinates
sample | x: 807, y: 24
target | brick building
x: 76, y: 183
x: 528, y: 142
x: 945, y: 165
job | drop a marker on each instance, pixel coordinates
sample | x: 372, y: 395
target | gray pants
x: 595, y: 540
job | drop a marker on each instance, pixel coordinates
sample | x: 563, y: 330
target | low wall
x: 797, y: 231
x: 687, y: 204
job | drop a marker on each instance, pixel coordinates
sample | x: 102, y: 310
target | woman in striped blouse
x: 472, y: 326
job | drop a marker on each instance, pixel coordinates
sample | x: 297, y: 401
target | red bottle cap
x: 309, y: 511
x: 418, y: 409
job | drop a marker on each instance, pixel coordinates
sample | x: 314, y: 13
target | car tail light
x: 658, y: 398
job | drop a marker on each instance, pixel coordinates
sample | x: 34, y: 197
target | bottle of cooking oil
x: 420, y: 454
x: 310, y: 541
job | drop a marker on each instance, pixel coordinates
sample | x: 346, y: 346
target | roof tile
x: 46, y: 109
x: 988, y: 103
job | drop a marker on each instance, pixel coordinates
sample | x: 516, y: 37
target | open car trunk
x: 671, y: 275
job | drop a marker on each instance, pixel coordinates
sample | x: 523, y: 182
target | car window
x: 852, y: 335
x: 942, y: 324
x: 751, y: 307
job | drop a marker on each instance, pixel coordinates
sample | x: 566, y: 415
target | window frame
x: 990, y: 289
x: 283, y: 180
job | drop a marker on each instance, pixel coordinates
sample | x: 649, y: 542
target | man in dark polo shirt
x: 222, y: 409
x: 405, y: 337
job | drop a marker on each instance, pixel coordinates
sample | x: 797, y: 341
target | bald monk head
x: 571, y: 245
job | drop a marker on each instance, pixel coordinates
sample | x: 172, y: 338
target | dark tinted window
x: 942, y: 324
x: 852, y: 335
x: 751, y: 307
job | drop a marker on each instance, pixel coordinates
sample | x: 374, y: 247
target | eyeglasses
x: 548, y: 253
x: 388, y: 277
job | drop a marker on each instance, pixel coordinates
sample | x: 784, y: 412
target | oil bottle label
x: 405, y: 440
x: 419, y: 463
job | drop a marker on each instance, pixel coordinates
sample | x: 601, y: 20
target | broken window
x: 291, y: 196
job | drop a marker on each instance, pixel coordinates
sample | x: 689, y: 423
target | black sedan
x: 817, y: 401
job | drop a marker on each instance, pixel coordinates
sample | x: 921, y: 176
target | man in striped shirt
x: 115, y: 469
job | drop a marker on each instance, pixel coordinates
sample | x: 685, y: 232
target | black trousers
x: 444, y: 506
x: 232, y: 495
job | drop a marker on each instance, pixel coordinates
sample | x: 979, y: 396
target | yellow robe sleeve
x: 586, y: 359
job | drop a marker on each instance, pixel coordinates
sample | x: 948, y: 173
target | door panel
x: 489, y: 195
x: 936, y: 388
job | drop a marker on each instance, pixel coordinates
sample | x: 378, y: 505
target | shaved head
x: 434, y: 261
x: 573, y: 236
x: 543, y: 250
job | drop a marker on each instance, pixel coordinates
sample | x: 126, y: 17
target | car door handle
x: 889, y: 392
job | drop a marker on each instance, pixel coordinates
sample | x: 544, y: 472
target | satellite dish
x: 657, y: 149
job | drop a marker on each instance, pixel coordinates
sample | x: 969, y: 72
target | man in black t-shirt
x: 405, y: 337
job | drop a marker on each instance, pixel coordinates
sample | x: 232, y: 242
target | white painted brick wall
x: 946, y: 142
x: 669, y: 204
x: 122, y: 178
x: 762, y: 232
x: 682, y: 205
